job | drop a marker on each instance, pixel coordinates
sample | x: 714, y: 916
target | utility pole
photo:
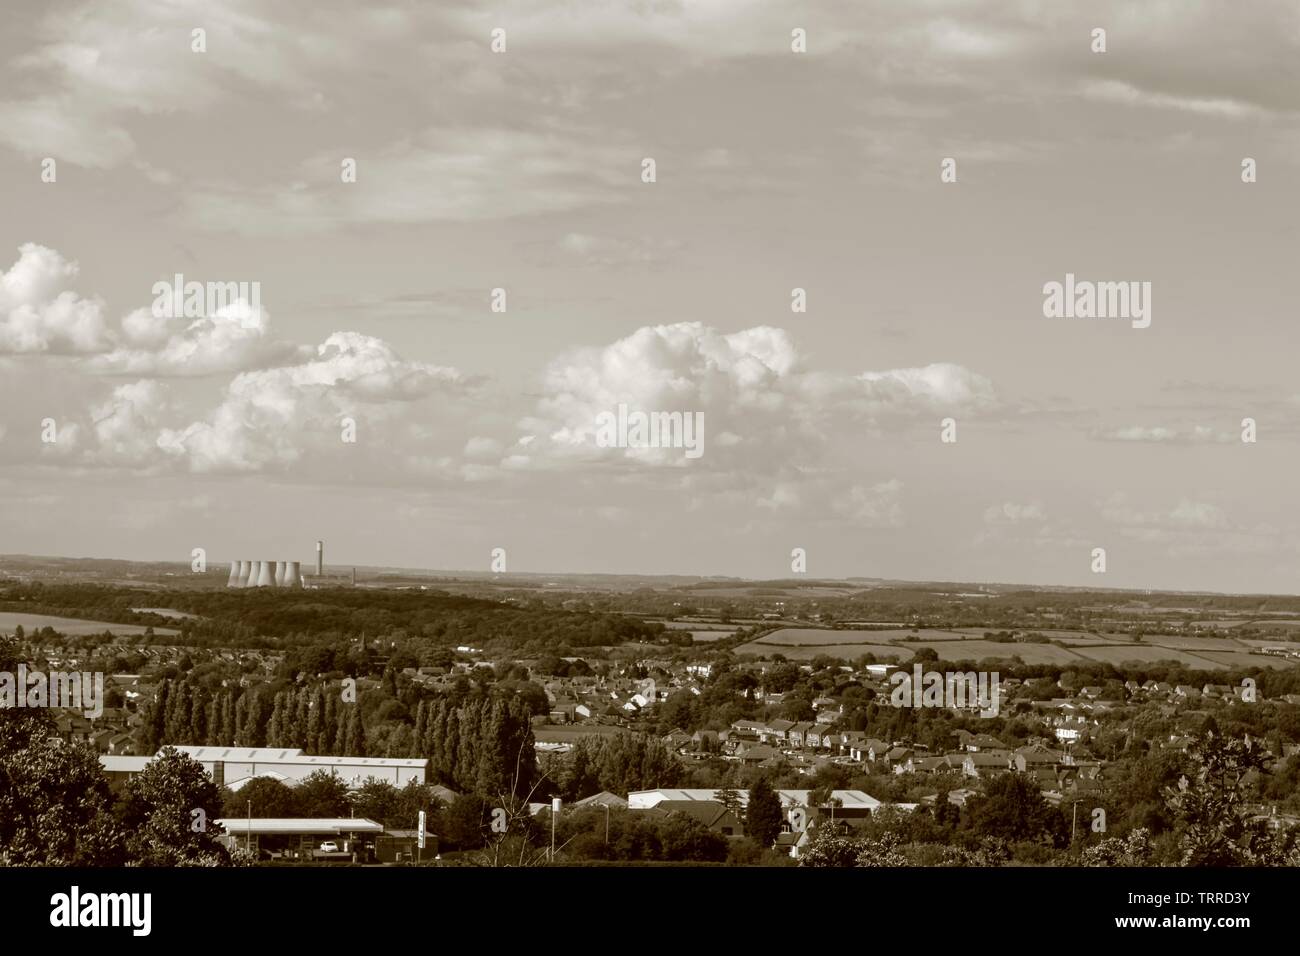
x: 607, y: 824
x: 248, y: 834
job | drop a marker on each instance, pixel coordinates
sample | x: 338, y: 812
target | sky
x: 375, y: 399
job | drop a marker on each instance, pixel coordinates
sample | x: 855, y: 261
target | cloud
x: 872, y: 506
x: 126, y: 426
x: 1185, y: 515
x: 234, y: 338
x: 760, y: 404
x: 39, y: 314
x: 1180, y: 435
x: 610, y: 252
x: 462, y: 174
x: 1012, y: 513
x: 940, y: 386
x: 275, y: 418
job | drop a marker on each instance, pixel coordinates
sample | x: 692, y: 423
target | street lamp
x: 555, y: 812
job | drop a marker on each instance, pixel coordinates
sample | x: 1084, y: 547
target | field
x: 1241, y: 659
x: 1203, y: 653
x: 72, y: 626
x: 568, y: 733
x: 1148, y: 653
x: 977, y: 650
x: 806, y: 652
x: 1197, y: 643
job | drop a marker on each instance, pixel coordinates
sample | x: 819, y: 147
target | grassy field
x: 1242, y: 659
x: 899, y: 644
x: 976, y: 650
x: 72, y: 626
x: 568, y: 733
x: 1196, y: 643
x: 1149, y: 653
x: 806, y: 652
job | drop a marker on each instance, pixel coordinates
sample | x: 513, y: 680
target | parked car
x: 329, y: 846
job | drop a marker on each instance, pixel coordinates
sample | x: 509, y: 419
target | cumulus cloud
x: 39, y: 314
x: 273, y: 418
x: 940, y: 386
x: 760, y: 404
x: 235, y: 337
x: 126, y: 425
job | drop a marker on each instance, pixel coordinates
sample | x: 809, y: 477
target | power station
x: 265, y: 574
x: 285, y: 574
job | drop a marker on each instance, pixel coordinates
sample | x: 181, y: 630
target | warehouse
x: 235, y: 766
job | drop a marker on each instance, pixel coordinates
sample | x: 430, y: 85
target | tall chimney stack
x: 320, y: 558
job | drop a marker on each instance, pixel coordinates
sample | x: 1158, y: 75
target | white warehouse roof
x: 330, y: 826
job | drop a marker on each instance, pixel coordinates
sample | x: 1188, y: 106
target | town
x: 399, y: 722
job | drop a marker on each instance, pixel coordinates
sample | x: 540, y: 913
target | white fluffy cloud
x: 40, y: 314
x: 752, y: 388
x: 274, y: 418
x: 126, y: 425
x: 235, y: 337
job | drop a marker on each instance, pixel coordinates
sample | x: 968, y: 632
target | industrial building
x: 301, y: 839
x: 233, y: 767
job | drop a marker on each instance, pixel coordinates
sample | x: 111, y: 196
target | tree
x: 466, y: 822
x: 1132, y: 850
x: 685, y: 838
x: 171, y: 813
x: 380, y: 801
x: 829, y: 849
x: 1210, y: 804
x: 763, y: 814
x: 261, y: 797
x: 1012, y: 808
x: 55, y: 806
x: 322, y: 794
x: 729, y: 797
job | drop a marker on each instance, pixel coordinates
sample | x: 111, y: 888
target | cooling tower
x: 266, y: 574
x: 293, y: 575
x: 281, y: 572
x: 245, y: 569
x: 234, y: 575
x: 253, y: 571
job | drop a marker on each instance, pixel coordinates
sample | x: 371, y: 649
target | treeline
x: 186, y: 712
x: 251, y: 618
x: 485, y: 746
x: 619, y: 763
x: 483, y: 743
